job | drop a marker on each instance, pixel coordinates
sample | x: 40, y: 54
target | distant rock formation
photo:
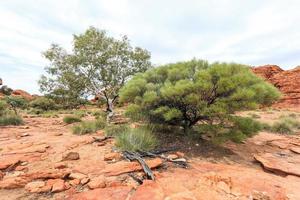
x: 23, y: 94
x: 287, y: 81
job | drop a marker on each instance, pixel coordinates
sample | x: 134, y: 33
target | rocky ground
x: 44, y: 160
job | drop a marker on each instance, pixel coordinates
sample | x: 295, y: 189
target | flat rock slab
x: 112, y: 193
x: 282, y: 164
x: 125, y: 167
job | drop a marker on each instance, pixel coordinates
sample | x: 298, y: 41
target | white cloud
x: 251, y: 32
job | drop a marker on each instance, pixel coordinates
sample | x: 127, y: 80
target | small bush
x: 99, y: 114
x: 10, y: 120
x: 286, y: 125
x: 114, y: 130
x: 16, y: 102
x: 43, y: 103
x: 71, y: 119
x: 80, y: 113
x: 136, y: 139
x: 86, y: 127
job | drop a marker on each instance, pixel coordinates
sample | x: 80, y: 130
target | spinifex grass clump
x: 286, y: 125
x: 195, y: 92
x: 114, y: 130
x: 70, y: 119
x: 87, y: 127
x: 136, y: 139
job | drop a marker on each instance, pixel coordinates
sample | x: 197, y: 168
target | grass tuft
x: 114, y: 130
x: 87, y: 127
x: 138, y: 139
x: 10, y: 120
x: 71, y: 119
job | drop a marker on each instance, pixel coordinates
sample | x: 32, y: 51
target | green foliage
x: 136, y: 139
x: 86, y: 127
x: 10, y: 119
x: 43, y: 103
x: 285, y: 125
x: 16, y: 102
x: 196, y: 92
x: 98, y: 65
x: 99, y: 114
x: 114, y: 130
x: 3, y: 107
x: 71, y: 119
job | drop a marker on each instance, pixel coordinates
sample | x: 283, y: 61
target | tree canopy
x: 98, y: 65
x: 187, y: 93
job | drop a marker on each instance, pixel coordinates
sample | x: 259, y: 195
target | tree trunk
x: 109, y: 109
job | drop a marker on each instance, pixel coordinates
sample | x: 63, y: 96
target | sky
x: 252, y: 32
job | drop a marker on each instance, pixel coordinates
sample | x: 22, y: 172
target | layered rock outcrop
x: 287, y: 81
x: 23, y: 94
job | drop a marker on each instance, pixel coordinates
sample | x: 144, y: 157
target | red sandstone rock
x: 23, y: 94
x: 149, y: 190
x: 125, y: 167
x: 71, y: 156
x: 112, y: 193
x: 97, y: 182
x: 74, y: 182
x: 280, y: 164
x: 5, y: 163
x: 37, y: 187
x: 77, y: 176
x: 287, y: 81
x: 112, y: 156
x: 58, y: 185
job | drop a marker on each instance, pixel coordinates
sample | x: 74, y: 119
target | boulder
x: 149, y: 190
x: 58, y: 185
x: 77, y: 176
x: 5, y: 163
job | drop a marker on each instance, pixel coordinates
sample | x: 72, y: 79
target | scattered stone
x: 58, y: 185
x: 37, y: 187
x: 21, y: 168
x: 25, y: 134
x: 12, y: 182
x: 77, y: 176
x: 98, y: 182
x: 74, y: 182
x: 125, y: 167
x: 112, y: 156
x: 84, y: 181
x: 71, y: 156
x: 24, y: 163
x: 60, y: 165
x: 57, y: 134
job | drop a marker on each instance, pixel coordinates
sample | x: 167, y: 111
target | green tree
x: 195, y: 92
x: 99, y: 65
x: 16, y: 102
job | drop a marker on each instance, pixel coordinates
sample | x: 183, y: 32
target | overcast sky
x: 253, y: 32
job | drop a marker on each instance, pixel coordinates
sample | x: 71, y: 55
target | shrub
x: 138, y: 139
x: 99, y: 114
x: 43, y: 103
x: 254, y: 115
x: 3, y: 107
x: 16, y: 102
x: 188, y: 93
x: 86, y: 127
x: 114, y: 130
x: 285, y: 125
x: 10, y: 119
x: 71, y: 119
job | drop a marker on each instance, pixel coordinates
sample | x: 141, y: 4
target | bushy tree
x: 16, y: 102
x: 196, y: 92
x: 43, y: 103
x: 99, y: 65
